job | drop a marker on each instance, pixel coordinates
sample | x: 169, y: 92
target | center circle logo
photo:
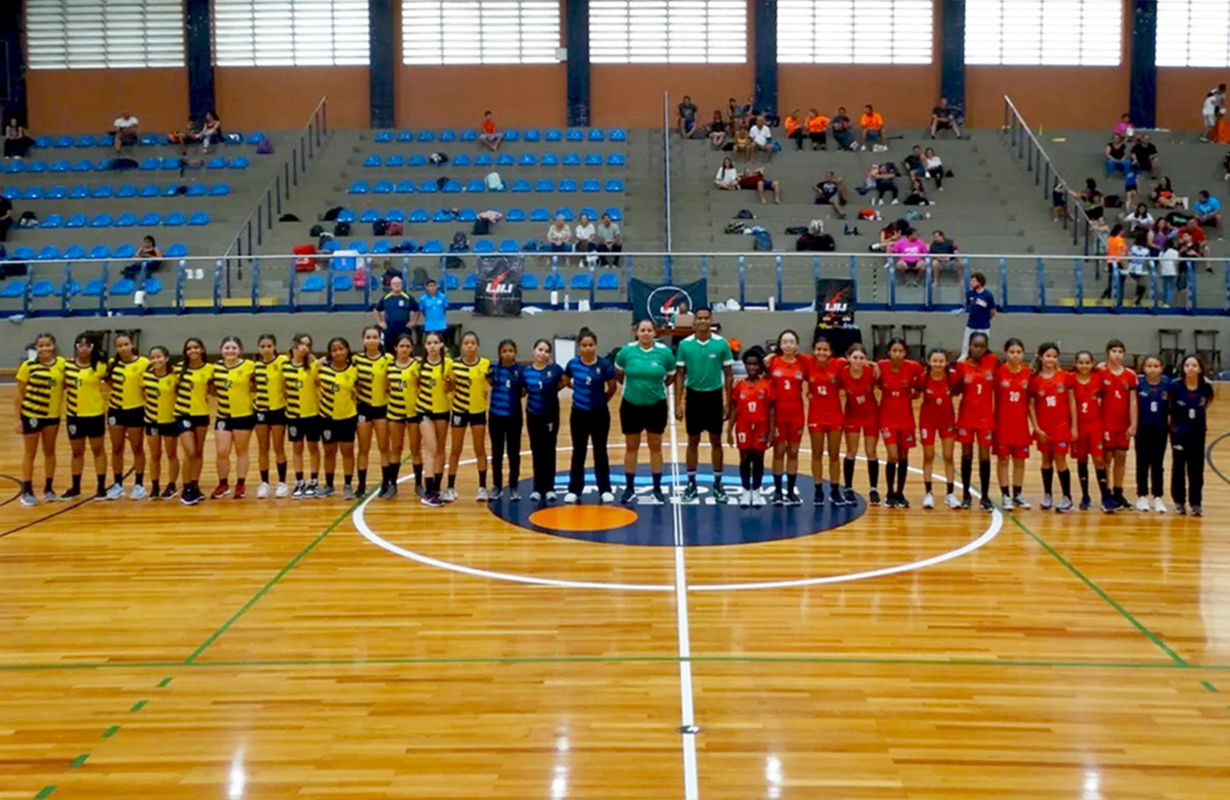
x: 663, y: 300
x: 646, y: 523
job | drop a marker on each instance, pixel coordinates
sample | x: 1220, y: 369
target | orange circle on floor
x: 583, y: 518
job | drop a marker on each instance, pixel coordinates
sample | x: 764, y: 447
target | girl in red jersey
x: 976, y: 417
x: 788, y: 372
x: 1119, y: 415
x: 1088, y: 387
x: 1012, y: 422
x: 896, y: 379
x: 858, y: 380
x: 1052, y: 411
x: 751, y: 424
x: 824, y: 417
x: 937, y: 418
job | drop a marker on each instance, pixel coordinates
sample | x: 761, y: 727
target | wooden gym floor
x: 268, y: 650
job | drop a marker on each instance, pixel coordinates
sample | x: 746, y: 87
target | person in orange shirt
x: 490, y: 136
x: 794, y: 128
x: 817, y: 125
x: 1116, y: 249
x: 872, y: 123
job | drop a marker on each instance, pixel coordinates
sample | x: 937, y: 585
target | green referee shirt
x: 645, y: 372
x: 705, y: 362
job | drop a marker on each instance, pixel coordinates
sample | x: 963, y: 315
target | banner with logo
x: 657, y: 301
x: 498, y: 291
x: 835, y: 302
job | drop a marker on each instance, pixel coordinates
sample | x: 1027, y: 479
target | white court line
x: 687, y: 727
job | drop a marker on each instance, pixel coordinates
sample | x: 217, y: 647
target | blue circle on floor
x: 703, y: 522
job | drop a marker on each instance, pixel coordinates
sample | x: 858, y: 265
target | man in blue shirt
x: 981, y: 307
x: 433, y: 305
x: 1208, y: 210
x: 395, y: 313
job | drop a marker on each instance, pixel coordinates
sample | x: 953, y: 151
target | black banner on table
x: 498, y: 291
x: 835, y: 302
x: 658, y: 301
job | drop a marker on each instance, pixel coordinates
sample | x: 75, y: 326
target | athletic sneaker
x: 191, y: 496
x: 325, y: 491
x: 348, y: 493
x: 138, y: 492
x: 535, y: 497
x: 1109, y: 505
x: 70, y: 495
x: 627, y: 496
x: 418, y: 489
x: 571, y: 498
x: 719, y: 493
x: 282, y: 491
x: 241, y: 491
x: 494, y: 496
x: 28, y: 499
x: 1064, y: 506
x: 1197, y: 511
x: 391, y: 492
x: 890, y: 500
x: 297, y: 494
x: 759, y: 500
x: 1142, y: 504
x: 168, y: 493
x: 986, y: 505
x: 608, y: 497
x: 1006, y: 503
x: 383, y: 494
x: 431, y: 500
x: 745, y: 499
x: 220, y: 491
x: 929, y: 500
x: 793, y: 499
x: 690, y: 492
x: 849, y: 498
x: 1021, y: 502
x: 777, y: 498
x: 1122, y: 502
x: 1180, y: 509
x: 1047, y: 503
x: 262, y: 491
x: 873, y: 497
x: 552, y: 497
x: 966, y: 502
x: 818, y: 499
x: 449, y: 495
x: 514, y: 496
x: 1159, y: 506
x: 1086, y: 503
x: 481, y: 496
x: 951, y: 501
x: 50, y: 497
x: 312, y: 490
x: 116, y: 492
x: 902, y: 502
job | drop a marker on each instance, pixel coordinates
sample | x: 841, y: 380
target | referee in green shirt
x: 645, y: 368
x: 707, y: 372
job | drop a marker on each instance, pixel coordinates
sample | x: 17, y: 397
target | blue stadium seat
x: 452, y: 187
x: 239, y: 162
x: 44, y: 141
x: 199, y: 218
x: 197, y: 190
x: 469, y: 135
x: 448, y: 135
x: 509, y: 246
x: 74, y: 251
x: 77, y: 193
x: 529, y: 281
x: 151, y: 220
x: 32, y: 193
x: 24, y: 254
x: 150, y: 139
x: 42, y: 288
x: 176, y: 251
x: 462, y: 160
x: 618, y: 135
x: 505, y: 160
x: 616, y: 214
x: 151, y: 190
x: 572, y: 160
x: 582, y: 281
x: 219, y: 190
x: 151, y: 164
x: 614, y: 185
x: 533, y: 135
x: 62, y: 166
x: 76, y: 221
x: 404, y: 187
x: 313, y: 284
x: 359, y: 246
x: 467, y: 215
x: 382, y: 247
x: 170, y: 190
x: 217, y: 162
x: 515, y: 215
x: 395, y: 215
x: 52, y: 221
x: 396, y: 160
x: 359, y: 187
x: 14, y: 167
x: 527, y: 160
x: 442, y: 215
x: 591, y: 185
x: 419, y: 215
x: 596, y: 135
x: 342, y: 283
x: 371, y: 161
x: 100, y: 251
x: 65, y: 141
x: 49, y: 253
x: 331, y: 246
x: 126, y: 221
x: 175, y: 219
x: 383, y: 137
x: 549, y: 160
x: 429, y: 187
x: 540, y: 214
x: 37, y: 167
x: 512, y: 135
x: 483, y: 160
x: 566, y: 213
x: 123, y: 287
x: 87, y: 141
x: 102, y: 221
x: 450, y: 282
x: 369, y: 216
x: 416, y: 161
x: 545, y: 185
x: 576, y: 135
x: 616, y: 160
x: 152, y: 285
x: 93, y: 289
x: 608, y: 281
x: 553, y: 282
x: 126, y: 251
x: 13, y: 289
x: 433, y: 246
x: 126, y: 191
x: 170, y: 164
x: 590, y: 212
x: 521, y: 186
x: 593, y: 160
x: 554, y: 135
x: 255, y: 137
x: 476, y: 185
x: 484, y: 246
x: 426, y: 136
x: 382, y: 187
x: 70, y: 287
x: 567, y: 185
x: 346, y: 215
x: 470, y: 283
x: 405, y: 136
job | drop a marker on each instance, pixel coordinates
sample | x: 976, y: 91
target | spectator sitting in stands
x: 1211, y: 111
x: 742, y: 142
x: 727, y: 175
x: 1144, y: 153
x: 942, y: 250
x: 817, y: 124
x: 755, y: 179
x: 910, y: 251
x: 1193, y: 243
x: 610, y: 240
x: 1138, y: 264
x: 6, y: 217
x: 918, y: 192
x: 1124, y: 128
x: 872, y: 124
x: 842, y: 129
x: 944, y: 116
x: 832, y: 192
x: 1092, y: 200
x: 889, y: 235
x: 1208, y: 210
x: 488, y: 135
x: 209, y: 132
x: 148, y: 255
x: 794, y: 128
x: 1163, y: 195
x: 762, y: 139
x: 1162, y: 234
x: 734, y: 113
x: 885, y: 177
x: 933, y: 168
x: 17, y: 141
x: 718, y: 133
x: 913, y: 163
x: 1139, y: 220
x: 559, y: 236
x: 585, y: 234
x: 1116, y: 156
x: 125, y: 130
x: 687, y: 117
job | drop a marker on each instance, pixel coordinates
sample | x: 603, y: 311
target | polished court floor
x: 283, y: 649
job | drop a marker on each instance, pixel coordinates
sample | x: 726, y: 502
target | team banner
x: 658, y: 301
x: 498, y: 291
x: 835, y: 302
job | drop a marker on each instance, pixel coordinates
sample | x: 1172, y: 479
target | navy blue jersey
x: 1151, y: 403
x: 589, y: 383
x: 542, y: 389
x: 980, y: 305
x: 1188, y: 407
x: 506, y: 388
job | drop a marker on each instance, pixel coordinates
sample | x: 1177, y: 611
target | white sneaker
x: 1159, y: 506
x: 1047, y: 503
x: 138, y: 493
x: 758, y: 499
x: 535, y: 497
x: 1142, y: 505
x: 116, y: 492
x: 951, y: 501
x: 550, y: 497
x: 1006, y: 503
x: 928, y: 500
x: 1021, y: 502
x: 609, y: 497
x: 570, y: 498
x: 282, y: 491
x: 449, y: 495
x: 482, y: 495
x: 262, y: 492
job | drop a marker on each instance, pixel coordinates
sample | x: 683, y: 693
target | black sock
x: 873, y: 472
x: 47, y: 485
x: 27, y: 487
x: 1102, y: 484
x: 348, y: 479
x: 745, y: 473
x: 1119, y: 494
x: 791, y: 479
x: 439, y: 481
x: 298, y: 476
x: 264, y: 476
x: 629, y: 481
x: 281, y: 472
x: 240, y: 481
x: 967, y: 473
x: 927, y: 487
x: 315, y: 477
x: 452, y: 480
x: 903, y: 467
x: 847, y: 469
x: 155, y: 488
x: 984, y: 476
x: 890, y: 472
x: 418, y: 476
x: 1082, y: 472
x: 1065, y: 483
x: 1003, y: 490
x: 777, y: 483
x: 757, y: 470
x: 394, y: 473
x: 102, y: 482
x: 482, y: 479
x: 119, y: 478
x: 691, y: 476
x: 1016, y: 492
x: 223, y: 482
x: 329, y: 480
x: 427, y: 487
x: 77, y: 483
x: 1048, y: 480
x: 951, y: 487
x: 139, y: 479
x: 362, y: 480
x: 657, y: 481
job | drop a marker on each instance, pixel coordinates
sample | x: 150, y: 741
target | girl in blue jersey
x: 506, y: 420
x: 593, y: 384
x: 543, y: 379
x: 1190, y: 396
x: 1152, y: 430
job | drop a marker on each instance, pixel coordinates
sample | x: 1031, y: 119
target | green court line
x: 79, y: 760
x: 1208, y: 456
x: 45, y: 792
x: 140, y: 705
x: 109, y: 732
x: 1209, y: 686
x: 163, y: 683
x: 1150, y: 635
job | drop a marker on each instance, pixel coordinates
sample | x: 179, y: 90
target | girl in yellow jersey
x: 160, y: 384
x: 472, y: 392
x: 85, y: 377
x: 403, y: 414
x: 301, y: 374
x: 39, y: 402
x: 232, y: 385
x: 373, y: 392
x: 126, y: 415
x: 192, y: 415
x: 435, y: 378
x: 270, y: 414
x: 339, y: 414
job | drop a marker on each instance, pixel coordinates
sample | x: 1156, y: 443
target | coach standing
x: 433, y: 305
x: 707, y: 368
x: 395, y: 313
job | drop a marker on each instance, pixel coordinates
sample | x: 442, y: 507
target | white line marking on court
x: 687, y: 727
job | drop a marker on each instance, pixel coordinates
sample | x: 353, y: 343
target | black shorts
x: 635, y: 419
x: 126, y: 417
x: 161, y: 429
x: 36, y: 424
x: 86, y: 427
x: 303, y: 428
x: 235, y: 423
x: 703, y: 412
x: 460, y: 420
x: 433, y: 416
x: 186, y: 424
x: 338, y: 430
x: 398, y: 418
x: 370, y: 413
x: 274, y: 416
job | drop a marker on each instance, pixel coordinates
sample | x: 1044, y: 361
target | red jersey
x: 1012, y: 406
x: 1117, y: 398
x: 936, y: 412
x: 860, y: 396
x: 977, y: 386
x: 1089, y: 400
x: 824, y: 392
x: 1051, y: 405
x: 753, y: 401
x: 897, y: 394
x: 788, y: 378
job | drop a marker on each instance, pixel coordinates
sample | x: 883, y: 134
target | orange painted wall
x: 282, y: 98
x: 90, y: 99
x: 903, y: 94
x: 457, y: 95
x: 631, y: 94
x: 1180, y: 93
x: 1053, y: 97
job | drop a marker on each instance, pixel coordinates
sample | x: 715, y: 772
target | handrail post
x: 269, y: 208
x: 668, y: 269
x: 260, y: 225
x: 138, y: 288
x: 628, y: 276
x: 290, y: 293
x: 1191, y: 287
x: 928, y: 297
x: 256, y: 285
x: 64, y: 288
x: 277, y: 192
x: 102, y: 296
x: 1154, y: 282
x: 815, y: 271
x: 854, y: 282
x: 742, y: 280
x: 180, y: 308
x: 593, y: 282
x: 704, y: 267
x: 218, y: 286
x: 1041, y: 271
x: 1227, y: 266
x: 1113, y: 272
x: 329, y: 284
x: 1003, y: 282
x: 1079, y: 265
x: 777, y: 268
x: 892, y: 284
x: 27, y: 293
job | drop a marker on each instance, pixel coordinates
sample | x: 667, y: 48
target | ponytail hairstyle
x: 49, y: 337
x: 897, y: 340
x: 428, y: 335
x: 228, y: 340
x: 363, y: 337
x: 586, y: 333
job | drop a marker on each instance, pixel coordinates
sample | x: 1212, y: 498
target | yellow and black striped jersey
x: 160, y: 396
x: 373, y: 385
x: 433, y: 380
x: 192, y: 393
x: 403, y: 391
x: 471, y: 386
x: 271, y: 384
x: 337, y: 392
x: 302, y: 389
x: 83, y: 389
x: 127, y: 388
x: 43, y: 397
x: 233, y: 388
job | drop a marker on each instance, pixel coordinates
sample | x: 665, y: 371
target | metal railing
x: 1025, y: 284
x: 666, y: 166
x: 1021, y: 141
